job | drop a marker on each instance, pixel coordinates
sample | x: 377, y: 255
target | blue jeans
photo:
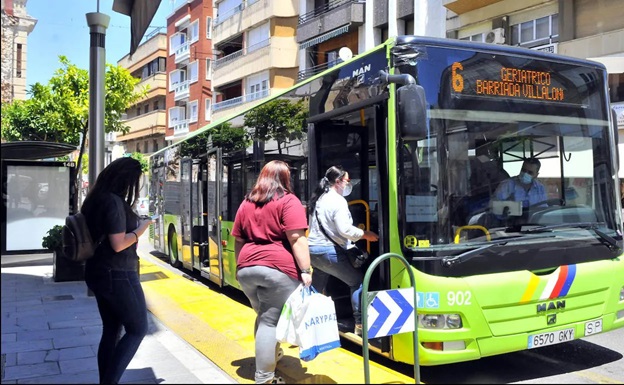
x: 121, y: 303
x: 327, y: 261
x: 267, y: 290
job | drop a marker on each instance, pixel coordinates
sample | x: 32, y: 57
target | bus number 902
x: 459, y: 298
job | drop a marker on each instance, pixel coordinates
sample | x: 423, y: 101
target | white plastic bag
x: 316, y: 324
x: 285, y: 330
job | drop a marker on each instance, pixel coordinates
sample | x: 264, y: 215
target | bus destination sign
x: 506, y: 82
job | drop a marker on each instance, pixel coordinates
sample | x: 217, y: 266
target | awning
x: 325, y: 36
x: 31, y: 150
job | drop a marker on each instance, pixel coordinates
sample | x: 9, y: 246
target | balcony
x: 181, y: 90
x: 271, y: 53
x: 249, y: 15
x: 144, y: 125
x: 240, y: 100
x: 157, y: 84
x: 463, y: 6
x: 180, y: 128
x: 311, y: 71
x: 182, y: 53
x: 330, y: 17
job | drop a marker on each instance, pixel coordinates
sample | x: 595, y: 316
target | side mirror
x: 412, y: 111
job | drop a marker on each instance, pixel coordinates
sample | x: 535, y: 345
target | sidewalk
x: 51, y: 332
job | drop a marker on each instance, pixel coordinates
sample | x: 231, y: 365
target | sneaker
x: 280, y: 354
x: 358, y: 330
x: 276, y: 380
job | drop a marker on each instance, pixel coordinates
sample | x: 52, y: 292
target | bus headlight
x: 622, y: 294
x: 454, y: 321
x: 440, y: 321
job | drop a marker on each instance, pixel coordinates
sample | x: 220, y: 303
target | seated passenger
x: 524, y: 187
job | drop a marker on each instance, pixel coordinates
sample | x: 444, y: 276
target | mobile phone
x: 155, y: 216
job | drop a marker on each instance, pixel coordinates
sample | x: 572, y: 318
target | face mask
x: 525, y: 178
x: 347, y: 189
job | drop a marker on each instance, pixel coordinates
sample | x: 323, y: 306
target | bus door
x: 156, y: 194
x: 212, y: 267
x: 344, y: 141
x: 199, y: 230
x: 186, y: 216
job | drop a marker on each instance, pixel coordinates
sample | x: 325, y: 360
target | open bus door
x: 212, y: 265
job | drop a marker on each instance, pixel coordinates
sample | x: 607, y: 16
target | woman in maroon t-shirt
x: 272, y: 257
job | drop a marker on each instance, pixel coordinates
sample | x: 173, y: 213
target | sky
x: 62, y: 29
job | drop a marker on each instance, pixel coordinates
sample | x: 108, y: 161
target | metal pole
x: 98, y: 22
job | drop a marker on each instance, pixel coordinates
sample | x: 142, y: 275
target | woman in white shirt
x: 328, y: 256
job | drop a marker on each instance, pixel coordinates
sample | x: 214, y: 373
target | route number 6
x: 456, y: 79
x: 459, y: 298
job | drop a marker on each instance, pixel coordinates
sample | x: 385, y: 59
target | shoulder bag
x: 356, y: 256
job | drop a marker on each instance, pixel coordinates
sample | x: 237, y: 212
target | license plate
x: 593, y: 327
x: 550, y: 338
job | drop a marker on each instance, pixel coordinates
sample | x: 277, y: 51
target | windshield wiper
x: 607, y: 240
x: 466, y: 255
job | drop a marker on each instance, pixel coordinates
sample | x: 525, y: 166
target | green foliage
x: 59, y: 111
x: 53, y: 239
x: 225, y: 136
x: 142, y: 159
x: 279, y: 119
x: 230, y: 138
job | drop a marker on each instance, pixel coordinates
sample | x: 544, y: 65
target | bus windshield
x: 461, y: 192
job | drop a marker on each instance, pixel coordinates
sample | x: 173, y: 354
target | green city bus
x: 427, y: 128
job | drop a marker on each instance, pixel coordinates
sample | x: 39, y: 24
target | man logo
x: 551, y: 319
x: 550, y: 306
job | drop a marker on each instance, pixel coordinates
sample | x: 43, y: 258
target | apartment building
x: 16, y: 26
x: 189, y: 62
x: 147, y: 117
x: 329, y: 29
x: 256, y: 53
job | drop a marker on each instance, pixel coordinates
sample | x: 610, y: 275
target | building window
x: 477, y: 37
x: 155, y: 145
x: 145, y: 151
x: 208, y: 27
x: 18, y: 62
x: 138, y: 147
x: 156, y: 106
x: 146, y: 108
x: 208, y: 108
x: 208, y: 69
x: 544, y: 30
x: 193, y: 71
x: 138, y: 110
x: 194, y: 30
x: 192, y: 108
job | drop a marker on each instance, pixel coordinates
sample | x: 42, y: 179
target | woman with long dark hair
x: 328, y: 208
x: 272, y: 257
x: 112, y: 273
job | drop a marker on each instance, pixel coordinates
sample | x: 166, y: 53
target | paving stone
x: 73, y: 353
x: 20, y: 372
x: 27, y: 358
x: 78, y: 365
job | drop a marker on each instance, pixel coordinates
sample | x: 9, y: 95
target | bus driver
x: 524, y: 187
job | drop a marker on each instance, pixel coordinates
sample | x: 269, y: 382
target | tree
x: 59, y: 111
x: 142, y: 159
x: 280, y: 119
x: 225, y: 136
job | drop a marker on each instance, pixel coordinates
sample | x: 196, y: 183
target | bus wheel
x: 173, y: 249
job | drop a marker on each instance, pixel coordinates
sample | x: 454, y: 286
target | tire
x: 173, y: 249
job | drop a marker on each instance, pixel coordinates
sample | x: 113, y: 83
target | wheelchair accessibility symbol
x: 428, y: 300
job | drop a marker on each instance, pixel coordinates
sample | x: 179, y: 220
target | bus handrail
x: 365, y: 352
x: 367, y: 211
